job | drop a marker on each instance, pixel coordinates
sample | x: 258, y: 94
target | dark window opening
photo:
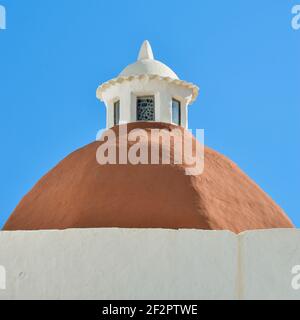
x: 176, y: 112
x: 117, y: 112
x: 145, y: 108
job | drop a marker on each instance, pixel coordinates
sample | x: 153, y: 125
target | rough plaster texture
x: 119, y: 264
x: 267, y: 259
x: 149, y: 264
x: 81, y: 193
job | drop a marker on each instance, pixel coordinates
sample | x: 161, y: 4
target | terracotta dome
x: 80, y: 193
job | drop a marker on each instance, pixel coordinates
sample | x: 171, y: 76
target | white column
x: 184, y: 115
x: 164, y: 108
x: 109, y: 115
x: 125, y: 107
x: 132, y: 107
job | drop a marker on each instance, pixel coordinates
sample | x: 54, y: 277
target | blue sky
x: 244, y: 55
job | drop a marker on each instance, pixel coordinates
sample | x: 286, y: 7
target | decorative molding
x: 121, y: 79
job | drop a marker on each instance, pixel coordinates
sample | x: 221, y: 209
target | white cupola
x: 147, y: 90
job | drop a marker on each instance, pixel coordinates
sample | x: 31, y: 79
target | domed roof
x: 147, y: 65
x: 146, y: 68
x: 80, y: 193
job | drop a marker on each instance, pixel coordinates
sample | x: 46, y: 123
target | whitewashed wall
x: 149, y: 264
x: 128, y: 91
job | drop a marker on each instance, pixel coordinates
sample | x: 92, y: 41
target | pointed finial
x: 146, y: 51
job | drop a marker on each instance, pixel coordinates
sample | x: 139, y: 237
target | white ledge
x: 121, y: 79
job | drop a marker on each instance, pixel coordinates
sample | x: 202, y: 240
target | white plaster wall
x: 119, y: 264
x: 164, y: 91
x: 150, y: 264
x: 267, y: 259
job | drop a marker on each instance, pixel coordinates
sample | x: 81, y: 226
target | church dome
x: 80, y: 193
x: 146, y: 65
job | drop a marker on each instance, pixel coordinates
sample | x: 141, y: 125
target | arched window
x: 176, y: 112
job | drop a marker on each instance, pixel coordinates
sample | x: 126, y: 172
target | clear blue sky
x: 244, y: 55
